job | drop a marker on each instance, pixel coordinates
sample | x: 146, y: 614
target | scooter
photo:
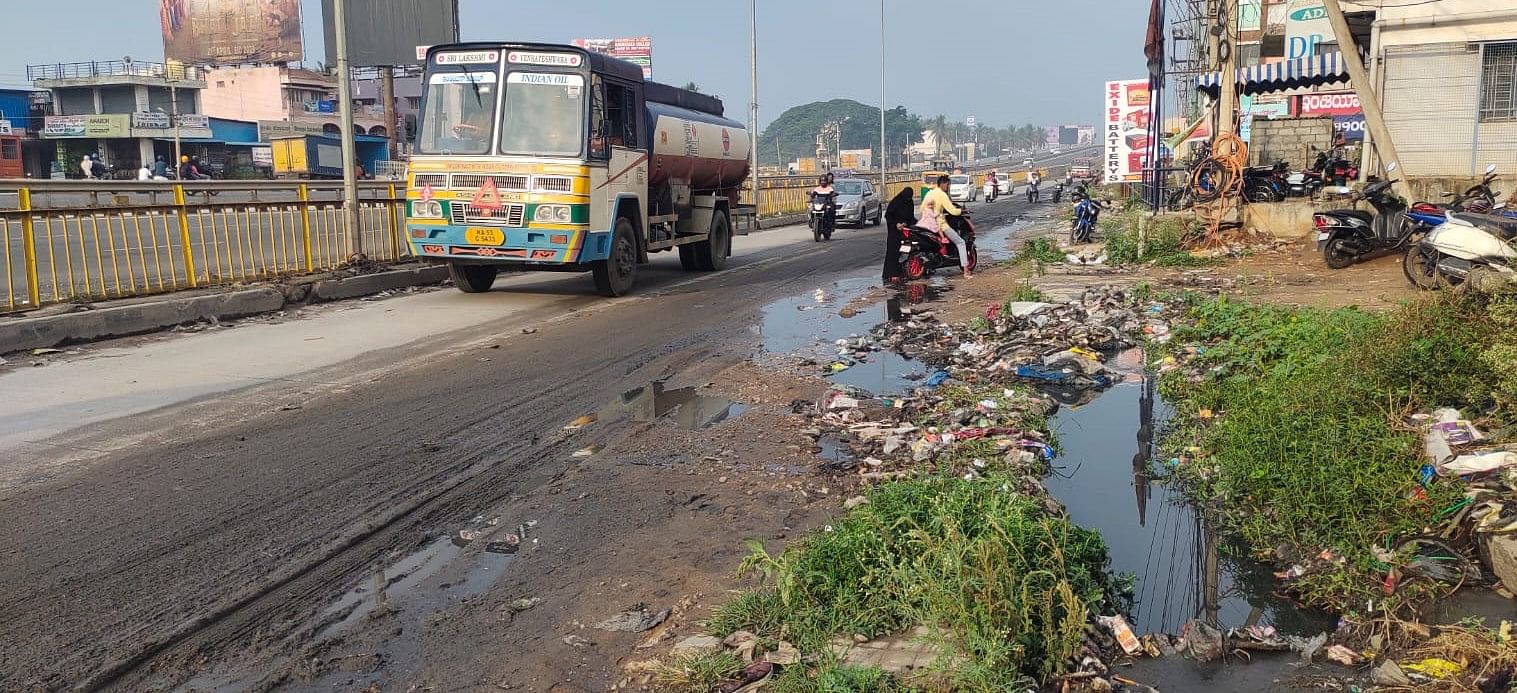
x: 1306, y: 183
x: 1466, y: 252
x: 823, y: 217
x: 1345, y: 236
x: 1058, y: 192
x: 924, y: 252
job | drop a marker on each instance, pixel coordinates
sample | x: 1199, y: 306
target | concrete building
x: 21, y: 118
x: 118, y: 109
x: 367, y: 95
x: 283, y: 101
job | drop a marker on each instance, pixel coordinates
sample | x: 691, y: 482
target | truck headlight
x: 552, y: 213
x: 426, y: 209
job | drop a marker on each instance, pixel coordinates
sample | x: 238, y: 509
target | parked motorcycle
x: 1345, y: 236
x: 924, y: 252
x: 1307, y: 182
x: 823, y: 218
x: 1087, y: 213
x: 1265, y: 183
x: 1468, y: 251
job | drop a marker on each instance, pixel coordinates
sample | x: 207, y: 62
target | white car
x: 961, y: 188
x: 1027, y: 162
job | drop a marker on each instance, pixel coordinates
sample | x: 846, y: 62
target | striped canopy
x: 1310, y: 71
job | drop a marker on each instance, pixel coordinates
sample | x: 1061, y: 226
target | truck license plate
x: 483, y: 236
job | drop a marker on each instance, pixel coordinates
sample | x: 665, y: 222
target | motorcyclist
x: 1033, y: 180
x: 825, y: 194
x: 995, y: 186
x: 936, y: 205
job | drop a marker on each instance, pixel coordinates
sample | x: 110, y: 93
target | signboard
x: 1350, y: 127
x: 1306, y: 26
x: 263, y: 156
x: 1087, y: 134
x: 856, y: 158
x: 230, y: 32
x: 970, y: 121
x: 1125, y: 130
x: 637, y: 50
x: 113, y: 125
x: 151, y: 121
x: 194, y: 120
x: 477, y: 58
x: 1330, y: 104
x: 5, y: 127
x: 271, y: 129
x: 391, y: 32
x: 1051, y: 134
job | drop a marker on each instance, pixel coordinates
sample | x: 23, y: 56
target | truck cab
x: 552, y: 158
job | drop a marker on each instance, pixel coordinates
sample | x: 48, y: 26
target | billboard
x: 1125, y: 130
x: 1306, y: 26
x: 856, y: 158
x: 1050, y: 134
x: 228, y: 32
x: 1087, y: 134
x: 391, y: 32
x: 1330, y: 104
x: 637, y: 50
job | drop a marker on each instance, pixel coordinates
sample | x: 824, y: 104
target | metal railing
x: 790, y: 194
x: 66, y: 241
x: 112, y: 68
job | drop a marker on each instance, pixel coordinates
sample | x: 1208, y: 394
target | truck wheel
x: 687, y: 257
x: 711, y: 254
x: 615, y: 275
x: 472, y: 279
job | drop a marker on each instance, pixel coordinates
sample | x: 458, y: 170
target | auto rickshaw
x: 930, y: 181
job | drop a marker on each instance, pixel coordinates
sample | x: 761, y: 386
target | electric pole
x: 1374, y: 118
x: 345, y: 114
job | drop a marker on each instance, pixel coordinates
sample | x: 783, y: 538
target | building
x: 21, y: 117
x: 283, y: 101
x: 119, y: 109
x: 368, y: 96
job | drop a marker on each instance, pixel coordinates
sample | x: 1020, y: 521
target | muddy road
x: 236, y: 541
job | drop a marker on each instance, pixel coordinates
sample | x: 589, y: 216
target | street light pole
x: 174, y: 113
x: 753, y: 104
x: 883, y: 158
x: 345, y: 114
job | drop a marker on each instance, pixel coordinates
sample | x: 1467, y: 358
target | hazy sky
x: 1004, y: 61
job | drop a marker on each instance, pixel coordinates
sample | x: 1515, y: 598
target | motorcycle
x: 1468, y: 251
x: 1307, y: 182
x: 1345, y: 236
x: 823, y: 218
x: 1058, y: 192
x: 1087, y: 213
x: 923, y: 251
x: 1265, y: 183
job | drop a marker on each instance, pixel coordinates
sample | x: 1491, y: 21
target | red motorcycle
x: 924, y: 252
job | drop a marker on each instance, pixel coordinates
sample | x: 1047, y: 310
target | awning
x: 1310, y: 71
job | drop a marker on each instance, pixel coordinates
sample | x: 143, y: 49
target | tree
x: 692, y: 86
x: 796, y: 129
x: 942, y: 133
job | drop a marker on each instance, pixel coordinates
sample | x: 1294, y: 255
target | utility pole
x: 753, y: 121
x: 1226, y: 11
x: 345, y: 115
x: 1374, y: 118
x: 883, y: 185
x: 387, y: 95
x: 1214, y: 52
x: 174, y: 113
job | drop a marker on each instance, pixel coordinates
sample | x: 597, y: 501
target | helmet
x: 184, y: 159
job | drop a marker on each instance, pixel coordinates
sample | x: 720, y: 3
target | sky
x: 1003, y: 61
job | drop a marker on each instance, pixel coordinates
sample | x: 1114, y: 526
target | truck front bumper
x: 488, y: 245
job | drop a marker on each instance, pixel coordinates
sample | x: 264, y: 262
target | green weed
x: 697, y: 673
x: 1164, y: 245
x: 1042, y: 249
x: 1026, y: 292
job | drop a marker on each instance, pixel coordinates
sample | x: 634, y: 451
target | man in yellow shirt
x: 935, y: 206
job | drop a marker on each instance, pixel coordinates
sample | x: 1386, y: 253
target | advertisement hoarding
x: 112, y: 125
x: 391, y: 32
x: 229, y: 32
x: 1306, y: 26
x: 1330, y: 104
x: 1125, y: 130
x: 856, y: 158
x: 637, y: 50
x: 1051, y: 134
x: 1087, y: 134
x: 1349, y: 127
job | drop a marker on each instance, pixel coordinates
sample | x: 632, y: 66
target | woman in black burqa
x: 899, y: 211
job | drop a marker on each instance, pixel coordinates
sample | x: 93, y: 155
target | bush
x: 1165, y: 245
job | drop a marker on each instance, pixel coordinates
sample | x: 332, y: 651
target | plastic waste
x: 1476, y: 463
x: 1435, y: 667
x: 936, y: 379
x: 1123, y: 633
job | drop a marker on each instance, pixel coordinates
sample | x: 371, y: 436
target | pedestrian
x: 160, y: 168
x: 144, y: 173
x: 87, y: 167
x: 898, y: 220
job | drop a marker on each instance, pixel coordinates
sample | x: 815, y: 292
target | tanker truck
x: 541, y: 157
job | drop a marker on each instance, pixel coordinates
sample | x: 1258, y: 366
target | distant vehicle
x: 1003, y: 185
x: 1028, y: 161
x: 961, y: 188
x: 1082, y: 170
x: 857, y: 202
x: 1055, y: 151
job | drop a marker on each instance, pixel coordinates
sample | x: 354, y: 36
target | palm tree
x: 941, y: 132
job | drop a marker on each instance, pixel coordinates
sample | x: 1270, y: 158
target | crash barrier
x: 73, y: 241
x: 791, y: 194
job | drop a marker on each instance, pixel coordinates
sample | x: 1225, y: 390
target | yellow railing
x: 69, y: 241
x: 790, y: 194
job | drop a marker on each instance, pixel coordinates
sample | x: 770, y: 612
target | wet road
x: 222, y: 525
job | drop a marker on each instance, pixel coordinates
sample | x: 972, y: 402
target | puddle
x: 1103, y: 479
x: 811, y: 324
x: 690, y: 409
x: 995, y: 245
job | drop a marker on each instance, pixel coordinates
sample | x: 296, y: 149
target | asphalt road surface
x: 171, y: 505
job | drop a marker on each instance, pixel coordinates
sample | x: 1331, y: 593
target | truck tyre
x: 615, y: 275
x: 711, y: 254
x: 472, y: 279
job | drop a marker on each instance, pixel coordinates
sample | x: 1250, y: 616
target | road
x: 186, y: 512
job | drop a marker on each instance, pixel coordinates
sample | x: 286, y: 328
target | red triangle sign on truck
x: 488, y: 196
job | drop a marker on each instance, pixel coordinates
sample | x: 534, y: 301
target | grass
x: 1042, y: 249
x: 1010, y: 586
x: 1164, y: 245
x: 1307, y: 450
x: 697, y: 673
x: 1024, y: 291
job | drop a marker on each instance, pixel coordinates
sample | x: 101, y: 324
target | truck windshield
x: 544, y: 114
x: 460, y: 114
